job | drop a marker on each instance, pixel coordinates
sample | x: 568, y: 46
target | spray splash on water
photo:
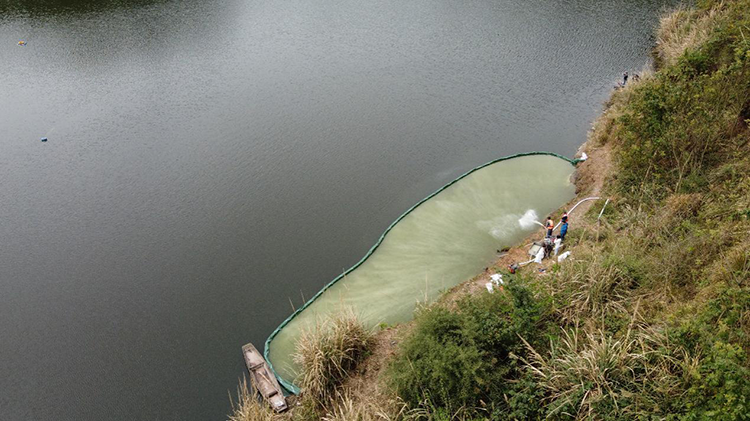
x: 499, y: 227
x: 528, y: 219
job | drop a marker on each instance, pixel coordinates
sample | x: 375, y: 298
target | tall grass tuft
x: 602, y: 281
x: 596, y: 289
x: 594, y: 375
x: 346, y: 408
x: 733, y: 267
x: 248, y: 406
x: 327, y: 354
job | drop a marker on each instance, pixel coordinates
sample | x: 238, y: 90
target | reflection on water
x: 209, y: 160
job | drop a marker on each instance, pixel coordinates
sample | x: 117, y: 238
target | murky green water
x: 446, y: 240
x: 210, y: 160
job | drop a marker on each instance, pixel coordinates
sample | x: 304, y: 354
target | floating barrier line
x: 294, y: 389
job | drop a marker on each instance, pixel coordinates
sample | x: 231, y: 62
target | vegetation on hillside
x: 650, y: 319
x: 462, y: 360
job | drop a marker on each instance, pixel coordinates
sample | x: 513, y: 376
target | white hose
x: 575, y: 206
x: 602, y: 212
x: 558, y: 224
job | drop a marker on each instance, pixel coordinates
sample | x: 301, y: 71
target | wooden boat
x: 263, y: 379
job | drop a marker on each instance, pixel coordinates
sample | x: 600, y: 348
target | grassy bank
x: 649, y: 318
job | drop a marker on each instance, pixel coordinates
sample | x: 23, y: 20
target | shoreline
x: 589, y: 180
x: 575, y: 162
x: 588, y: 177
x: 649, y: 317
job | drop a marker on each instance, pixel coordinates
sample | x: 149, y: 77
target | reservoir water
x: 210, y: 161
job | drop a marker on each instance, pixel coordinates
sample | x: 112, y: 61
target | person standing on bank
x: 563, y: 230
x: 550, y: 226
x: 558, y: 243
x: 624, y: 78
x: 565, y: 217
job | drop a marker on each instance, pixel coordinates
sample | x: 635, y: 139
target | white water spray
x: 528, y: 220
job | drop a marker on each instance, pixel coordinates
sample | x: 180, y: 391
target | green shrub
x: 523, y: 399
x: 695, y: 62
x: 463, y: 358
x: 725, y: 318
x: 720, y: 388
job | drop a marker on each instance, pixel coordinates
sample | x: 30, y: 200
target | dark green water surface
x: 210, y: 160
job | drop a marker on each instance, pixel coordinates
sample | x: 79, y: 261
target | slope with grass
x: 650, y: 318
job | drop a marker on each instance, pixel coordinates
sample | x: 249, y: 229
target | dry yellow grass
x: 350, y: 407
x: 328, y: 352
x: 248, y: 406
x: 684, y: 28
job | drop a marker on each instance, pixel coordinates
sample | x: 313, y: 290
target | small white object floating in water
x: 44, y: 139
